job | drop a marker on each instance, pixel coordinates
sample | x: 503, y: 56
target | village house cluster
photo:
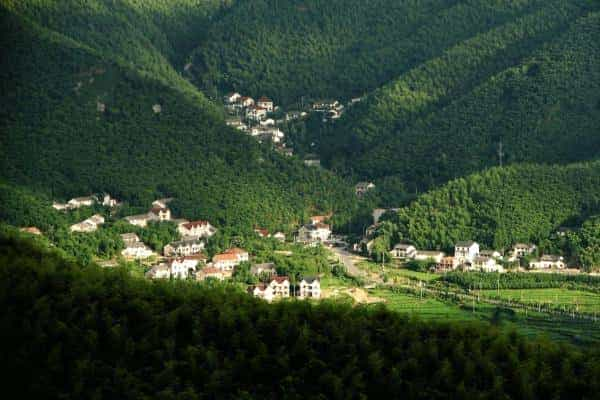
x: 252, y: 117
x: 92, y: 223
x: 468, y: 257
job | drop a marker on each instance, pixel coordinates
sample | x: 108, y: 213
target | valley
x: 303, y: 199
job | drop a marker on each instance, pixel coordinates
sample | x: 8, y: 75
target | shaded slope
x: 336, y: 48
x: 543, y: 108
x: 69, y: 332
x: 56, y: 140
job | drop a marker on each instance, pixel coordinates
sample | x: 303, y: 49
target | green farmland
x: 583, y: 301
x: 581, y: 332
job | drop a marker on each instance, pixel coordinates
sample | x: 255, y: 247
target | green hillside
x: 339, y: 48
x: 57, y: 140
x: 72, y: 332
x: 502, y: 206
x: 524, y: 86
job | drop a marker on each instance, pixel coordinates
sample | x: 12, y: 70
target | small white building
x: 548, y: 261
x: 404, y: 251
x: 521, y: 250
x: 140, y: 220
x: 137, y: 250
x: 256, y: 113
x: 435, y: 256
x: 265, y: 268
x: 89, y: 225
x: 485, y: 264
x: 225, y: 262
x: 265, y: 103
x: 210, y: 272
x: 232, y: 97
x: 160, y: 271
x: 60, y: 206
x: 280, y: 286
x: 466, y: 251
x: 109, y: 201
x: 162, y: 203
x: 246, y: 101
x: 262, y: 291
x: 314, y: 233
x: 184, y: 247
x: 197, y: 229
x: 310, y: 288
x: 279, y: 236
x: 78, y: 202
x: 161, y: 213
x: 183, y: 267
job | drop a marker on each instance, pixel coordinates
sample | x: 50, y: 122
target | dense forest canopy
x: 70, y: 331
x: 76, y: 121
x: 528, y: 90
x: 504, y: 206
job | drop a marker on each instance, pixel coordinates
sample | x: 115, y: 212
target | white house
x: 262, y: 291
x: 265, y: 268
x: 59, y: 206
x: 256, y: 113
x: 310, y: 288
x: 162, y: 203
x: 265, y: 103
x: 160, y: 271
x: 161, y: 213
x: 140, y: 220
x: 246, y: 101
x: 232, y: 97
x: 109, y: 201
x: 225, y: 261
x: 267, y: 122
x: 491, y: 254
x: 197, y: 229
x: 548, y: 261
x: 466, y: 251
x: 183, y: 267
x: 136, y: 250
x: 210, y: 272
x: 406, y: 251
x: 279, y: 236
x: 423, y: 255
x: 241, y: 254
x: 83, y: 227
x: 314, y: 233
x: 447, y: 264
x: 485, y: 264
x: 521, y: 250
x: 184, y: 247
x: 280, y: 286
x: 89, y: 225
x: 81, y: 202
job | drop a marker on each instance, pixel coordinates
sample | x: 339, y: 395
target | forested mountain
x: 84, y: 114
x: 446, y: 82
x: 84, y: 332
x: 501, y: 206
x: 450, y: 115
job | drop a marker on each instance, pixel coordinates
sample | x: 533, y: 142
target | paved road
x: 349, y: 260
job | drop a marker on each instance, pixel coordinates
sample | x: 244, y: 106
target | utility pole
x: 500, y: 154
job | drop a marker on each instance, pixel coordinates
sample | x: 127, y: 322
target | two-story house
x: 404, y: 251
x: 310, y: 288
x: 465, y: 251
